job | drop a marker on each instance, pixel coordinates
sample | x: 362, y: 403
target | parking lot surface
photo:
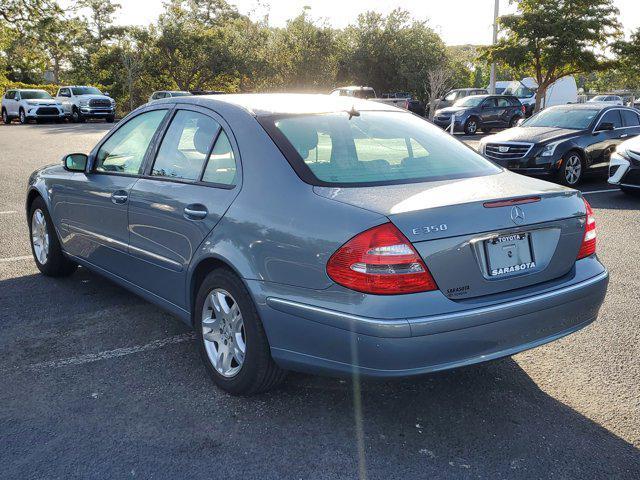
x: 97, y: 383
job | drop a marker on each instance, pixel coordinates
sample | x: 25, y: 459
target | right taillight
x: 588, y: 246
x: 381, y: 261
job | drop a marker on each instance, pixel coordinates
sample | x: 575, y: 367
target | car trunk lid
x: 474, y: 244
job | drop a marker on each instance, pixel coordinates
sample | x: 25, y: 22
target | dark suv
x: 481, y: 112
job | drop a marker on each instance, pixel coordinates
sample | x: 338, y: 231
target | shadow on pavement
x: 157, y: 414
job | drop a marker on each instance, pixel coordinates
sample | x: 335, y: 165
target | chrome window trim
x: 620, y: 109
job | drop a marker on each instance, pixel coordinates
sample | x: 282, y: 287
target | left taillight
x: 381, y: 261
x: 588, y: 246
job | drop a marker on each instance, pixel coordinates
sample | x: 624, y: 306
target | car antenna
x: 353, y: 112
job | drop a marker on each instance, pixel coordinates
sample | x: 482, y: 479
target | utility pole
x: 492, y: 78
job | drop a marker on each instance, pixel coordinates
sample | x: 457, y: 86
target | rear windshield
x: 577, y: 119
x: 372, y: 148
x: 34, y: 95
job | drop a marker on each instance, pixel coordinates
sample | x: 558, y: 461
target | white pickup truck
x: 81, y: 102
x: 400, y: 100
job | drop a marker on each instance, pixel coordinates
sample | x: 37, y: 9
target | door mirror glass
x: 604, y: 126
x: 75, y: 162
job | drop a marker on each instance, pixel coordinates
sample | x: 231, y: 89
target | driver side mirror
x: 75, y: 162
x: 605, y: 126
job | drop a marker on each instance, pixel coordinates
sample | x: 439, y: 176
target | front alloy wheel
x: 223, y: 333
x: 471, y: 126
x: 22, y: 116
x: 572, y: 170
x: 40, y: 236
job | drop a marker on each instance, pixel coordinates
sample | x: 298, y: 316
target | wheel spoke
x: 210, y: 323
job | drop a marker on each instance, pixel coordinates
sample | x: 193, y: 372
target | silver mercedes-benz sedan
x: 320, y: 234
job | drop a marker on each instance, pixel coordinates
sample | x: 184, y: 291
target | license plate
x: 509, y: 254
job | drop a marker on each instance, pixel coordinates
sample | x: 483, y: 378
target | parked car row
x: 481, y: 112
x: 568, y: 143
x: 398, y: 99
x: 75, y: 102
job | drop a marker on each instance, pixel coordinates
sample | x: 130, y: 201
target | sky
x: 458, y: 22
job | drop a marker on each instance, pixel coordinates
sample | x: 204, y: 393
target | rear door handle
x: 119, y: 197
x: 624, y: 135
x: 195, y: 212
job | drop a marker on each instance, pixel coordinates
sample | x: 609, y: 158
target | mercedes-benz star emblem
x: 517, y: 215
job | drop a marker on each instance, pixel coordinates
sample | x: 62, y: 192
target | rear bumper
x: 320, y: 340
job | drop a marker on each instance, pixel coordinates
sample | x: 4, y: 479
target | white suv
x: 28, y: 104
x: 82, y: 102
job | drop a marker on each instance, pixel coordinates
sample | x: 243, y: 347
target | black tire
x: 634, y: 192
x: 6, y: 119
x: 571, y: 171
x: 110, y: 119
x: 22, y: 117
x: 56, y: 264
x: 471, y: 126
x: 76, y: 116
x: 258, y: 372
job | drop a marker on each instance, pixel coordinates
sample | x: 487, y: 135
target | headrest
x: 302, y: 136
x: 203, y: 137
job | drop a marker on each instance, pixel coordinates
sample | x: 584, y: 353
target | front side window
x: 372, y: 148
x: 86, y: 91
x: 185, y: 146
x: 35, y: 95
x: 612, y: 116
x: 124, y: 151
x: 10, y: 95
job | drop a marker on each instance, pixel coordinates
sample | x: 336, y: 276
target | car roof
x: 261, y: 104
x: 586, y: 106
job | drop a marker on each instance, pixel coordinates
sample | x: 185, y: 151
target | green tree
x: 550, y: 39
x: 628, y: 61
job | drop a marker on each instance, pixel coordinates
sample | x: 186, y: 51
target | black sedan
x: 566, y: 142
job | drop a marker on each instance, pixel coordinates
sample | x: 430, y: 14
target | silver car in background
x: 323, y: 234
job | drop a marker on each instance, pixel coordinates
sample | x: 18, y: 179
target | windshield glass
x: 517, y: 89
x: 598, y: 98
x: 180, y: 94
x: 86, y: 91
x: 469, y: 102
x: 576, y: 119
x: 372, y: 148
x: 35, y: 95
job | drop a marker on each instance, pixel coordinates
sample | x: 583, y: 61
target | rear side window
x: 185, y: 146
x: 221, y: 167
x: 372, y: 148
x: 612, y: 116
x: 631, y: 119
x: 503, y: 102
x: 124, y: 151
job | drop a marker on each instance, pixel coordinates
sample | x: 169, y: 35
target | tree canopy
x: 549, y: 39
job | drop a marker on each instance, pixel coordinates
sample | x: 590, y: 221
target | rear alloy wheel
x: 231, y: 338
x: 471, y: 126
x: 22, y: 116
x: 5, y: 117
x: 571, y: 170
x: 45, y: 246
x: 513, y: 122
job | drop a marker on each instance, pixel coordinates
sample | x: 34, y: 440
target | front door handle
x: 195, y: 212
x: 119, y: 197
x: 624, y: 135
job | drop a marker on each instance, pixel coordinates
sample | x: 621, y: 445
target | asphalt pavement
x: 97, y: 383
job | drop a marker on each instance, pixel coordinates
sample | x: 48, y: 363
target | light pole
x: 492, y: 77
